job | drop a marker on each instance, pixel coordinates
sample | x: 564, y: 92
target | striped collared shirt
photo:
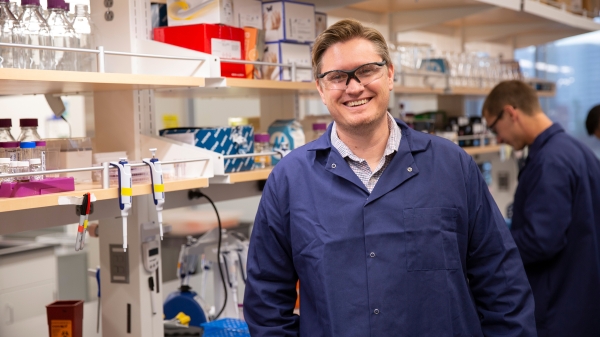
x: 360, y: 166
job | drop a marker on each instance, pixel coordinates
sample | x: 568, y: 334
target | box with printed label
x: 219, y: 40
x: 191, y: 12
x: 289, y: 53
x: 286, y: 135
x: 224, y: 140
x: 254, y: 45
x: 247, y: 13
x: 320, y: 22
x: 289, y: 21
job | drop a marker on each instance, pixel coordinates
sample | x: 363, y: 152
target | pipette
x: 125, y: 193
x: 158, y: 187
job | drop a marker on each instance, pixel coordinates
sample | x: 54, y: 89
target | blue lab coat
x: 427, y: 253
x: 556, y: 226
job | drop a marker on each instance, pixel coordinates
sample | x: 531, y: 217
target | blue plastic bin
x: 226, y: 327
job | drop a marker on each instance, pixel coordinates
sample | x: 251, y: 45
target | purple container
x: 56, y: 4
x: 30, y: 2
x: 319, y: 126
x: 28, y: 122
x: 262, y: 138
x: 5, y: 122
x: 10, y: 145
x: 39, y: 187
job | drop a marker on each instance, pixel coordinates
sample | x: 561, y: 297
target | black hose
x: 200, y: 195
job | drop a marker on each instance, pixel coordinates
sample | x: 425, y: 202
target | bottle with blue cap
x: 27, y: 151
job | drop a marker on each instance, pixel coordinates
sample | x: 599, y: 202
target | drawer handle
x: 10, y: 317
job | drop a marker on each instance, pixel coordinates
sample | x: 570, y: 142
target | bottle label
x: 43, y: 159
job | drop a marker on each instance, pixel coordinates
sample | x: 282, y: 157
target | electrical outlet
x: 119, y: 264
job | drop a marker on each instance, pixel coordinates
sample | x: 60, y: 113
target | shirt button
x: 376, y: 311
x: 372, y: 254
x: 332, y: 165
x: 409, y: 169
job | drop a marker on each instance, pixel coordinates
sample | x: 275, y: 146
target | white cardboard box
x: 247, y: 13
x: 287, y: 52
x: 191, y: 12
x: 289, y: 21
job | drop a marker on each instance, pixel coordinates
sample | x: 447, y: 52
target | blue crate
x: 226, y: 327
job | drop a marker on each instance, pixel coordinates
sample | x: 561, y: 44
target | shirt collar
x: 393, y: 142
x: 543, y: 138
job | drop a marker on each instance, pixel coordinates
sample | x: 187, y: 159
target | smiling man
x: 556, y: 212
x: 391, y: 232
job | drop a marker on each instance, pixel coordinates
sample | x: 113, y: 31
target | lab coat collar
x: 401, y: 168
x: 543, y: 138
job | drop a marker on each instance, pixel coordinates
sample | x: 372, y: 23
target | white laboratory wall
x: 35, y: 106
x: 217, y: 111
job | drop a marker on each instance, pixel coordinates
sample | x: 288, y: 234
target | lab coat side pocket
x: 431, y: 242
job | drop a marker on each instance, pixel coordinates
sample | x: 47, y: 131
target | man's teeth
x: 355, y: 103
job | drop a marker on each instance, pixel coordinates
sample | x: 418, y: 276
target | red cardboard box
x: 223, y: 41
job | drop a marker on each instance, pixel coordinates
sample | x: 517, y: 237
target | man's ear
x: 513, y: 112
x: 320, y: 91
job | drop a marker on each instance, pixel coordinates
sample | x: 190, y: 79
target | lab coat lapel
x: 403, y: 166
x: 338, y: 166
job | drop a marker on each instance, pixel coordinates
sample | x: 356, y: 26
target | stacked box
x: 286, y: 52
x: 223, y: 41
x: 192, y: 12
x: 289, y: 21
x: 224, y: 140
x: 247, y: 13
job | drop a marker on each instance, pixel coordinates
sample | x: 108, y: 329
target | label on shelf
x: 226, y: 49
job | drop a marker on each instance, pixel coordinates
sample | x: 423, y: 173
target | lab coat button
x: 376, y: 311
x: 409, y: 169
x: 372, y: 254
x: 333, y: 165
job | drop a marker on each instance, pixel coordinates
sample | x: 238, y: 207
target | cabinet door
x: 25, y: 303
x: 27, y: 268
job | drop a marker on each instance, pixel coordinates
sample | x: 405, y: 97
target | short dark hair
x: 346, y: 30
x: 592, y: 122
x: 515, y: 93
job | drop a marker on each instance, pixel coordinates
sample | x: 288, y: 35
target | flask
x: 35, y: 165
x: 62, y: 35
x: 15, y: 9
x: 85, y: 31
x: 28, y: 130
x: 11, y: 150
x: 40, y: 152
x: 319, y: 129
x: 5, y: 135
x: 35, y: 32
x: 10, y: 32
x: 261, y: 144
x: 27, y: 149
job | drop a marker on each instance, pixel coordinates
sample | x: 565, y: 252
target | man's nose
x: 354, y: 85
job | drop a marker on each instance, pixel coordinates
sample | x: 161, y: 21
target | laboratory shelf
x: 268, y: 84
x: 475, y: 150
x: 30, y: 81
x: 241, y: 177
x: 464, y: 91
x: 49, y: 200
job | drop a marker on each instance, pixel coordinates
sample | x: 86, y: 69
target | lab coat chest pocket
x: 431, y: 242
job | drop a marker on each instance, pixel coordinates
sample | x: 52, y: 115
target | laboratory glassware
x: 85, y: 31
x: 4, y: 168
x: 27, y: 150
x: 35, y: 165
x: 10, y: 32
x: 40, y: 152
x: 28, y: 130
x: 62, y: 35
x: 36, y: 32
x: 22, y: 167
x: 261, y: 144
x: 5, y: 135
x: 11, y: 150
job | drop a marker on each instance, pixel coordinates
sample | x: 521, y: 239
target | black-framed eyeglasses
x: 492, y: 126
x: 364, y: 74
